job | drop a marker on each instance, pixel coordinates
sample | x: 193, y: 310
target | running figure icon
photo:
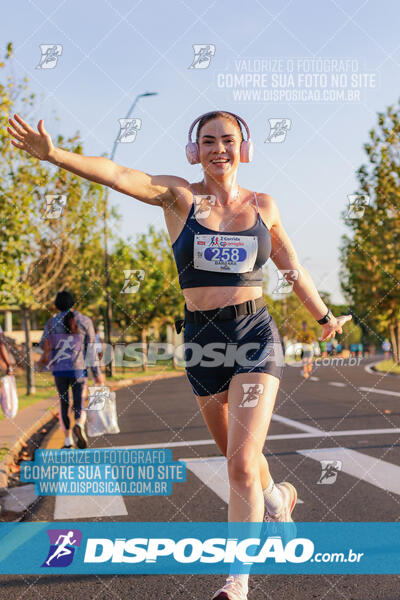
x: 62, y: 549
x: 63, y: 346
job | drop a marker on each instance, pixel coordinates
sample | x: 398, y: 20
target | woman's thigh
x: 78, y: 386
x: 62, y: 385
x: 251, y: 400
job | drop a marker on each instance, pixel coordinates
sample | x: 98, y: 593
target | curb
x: 9, y: 459
x: 371, y: 369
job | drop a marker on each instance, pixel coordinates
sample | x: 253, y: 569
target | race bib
x: 225, y: 253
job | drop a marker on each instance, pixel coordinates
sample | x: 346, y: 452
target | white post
x: 8, y: 322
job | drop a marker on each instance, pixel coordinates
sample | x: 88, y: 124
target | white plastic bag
x: 99, y: 422
x: 9, y: 396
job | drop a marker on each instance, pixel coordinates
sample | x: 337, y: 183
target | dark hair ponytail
x: 69, y: 323
x: 64, y: 300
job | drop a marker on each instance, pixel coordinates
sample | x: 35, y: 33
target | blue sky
x: 114, y: 50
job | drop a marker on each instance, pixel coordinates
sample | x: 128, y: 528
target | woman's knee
x: 244, y: 466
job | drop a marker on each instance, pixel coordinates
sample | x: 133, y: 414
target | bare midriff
x: 207, y: 298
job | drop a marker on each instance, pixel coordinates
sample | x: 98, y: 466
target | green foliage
x: 289, y: 313
x: 158, y: 298
x: 41, y: 255
x: 371, y: 266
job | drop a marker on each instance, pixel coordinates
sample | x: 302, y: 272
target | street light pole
x: 108, y: 313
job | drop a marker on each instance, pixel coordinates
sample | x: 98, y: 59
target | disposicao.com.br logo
x: 212, y: 551
x: 189, y: 550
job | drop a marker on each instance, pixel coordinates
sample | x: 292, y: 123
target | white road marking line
x: 295, y: 424
x: 212, y: 471
x: 337, y: 383
x: 164, y: 445
x: 328, y: 434
x: 378, y: 391
x: 312, y: 378
x: 278, y: 418
x: 372, y: 470
x: 78, y: 507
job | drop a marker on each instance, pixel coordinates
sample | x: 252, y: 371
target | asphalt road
x: 164, y: 412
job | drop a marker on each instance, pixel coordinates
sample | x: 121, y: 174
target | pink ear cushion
x: 192, y: 153
x: 246, y: 151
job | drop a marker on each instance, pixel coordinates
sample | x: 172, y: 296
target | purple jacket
x: 71, y: 354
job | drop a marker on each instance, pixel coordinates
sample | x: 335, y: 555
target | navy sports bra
x: 205, y: 257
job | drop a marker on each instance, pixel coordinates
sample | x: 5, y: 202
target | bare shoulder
x: 174, y: 182
x: 269, y: 209
x: 179, y: 184
x: 177, y: 206
x: 180, y: 193
x: 170, y: 187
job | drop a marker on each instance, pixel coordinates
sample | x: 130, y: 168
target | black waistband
x: 250, y: 307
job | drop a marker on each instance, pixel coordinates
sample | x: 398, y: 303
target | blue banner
x: 208, y: 548
x: 103, y: 472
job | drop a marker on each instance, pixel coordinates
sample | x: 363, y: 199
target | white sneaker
x: 79, y: 433
x: 289, y: 495
x: 234, y: 589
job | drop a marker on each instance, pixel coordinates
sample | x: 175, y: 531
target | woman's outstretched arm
x: 147, y: 188
x: 285, y: 258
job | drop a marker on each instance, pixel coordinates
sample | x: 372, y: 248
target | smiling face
x: 219, y: 146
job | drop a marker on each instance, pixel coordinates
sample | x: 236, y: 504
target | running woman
x: 386, y: 347
x: 219, y: 254
x: 306, y: 337
x: 68, y: 344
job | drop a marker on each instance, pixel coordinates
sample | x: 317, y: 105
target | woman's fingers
x: 16, y: 127
x: 15, y: 134
x: 24, y: 124
x: 345, y: 318
x: 41, y: 128
x: 20, y: 146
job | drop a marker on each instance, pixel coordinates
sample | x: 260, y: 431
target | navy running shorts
x: 215, y: 351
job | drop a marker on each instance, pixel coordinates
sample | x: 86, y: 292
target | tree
x: 145, y: 287
x: 289, y: 313
x: 51, y: 230
x: 371, y: 266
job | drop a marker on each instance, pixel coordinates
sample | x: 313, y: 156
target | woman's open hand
x: 36, y: 144
x: 334, y: 325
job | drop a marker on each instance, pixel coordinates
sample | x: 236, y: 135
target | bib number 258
x: 225, y: 254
